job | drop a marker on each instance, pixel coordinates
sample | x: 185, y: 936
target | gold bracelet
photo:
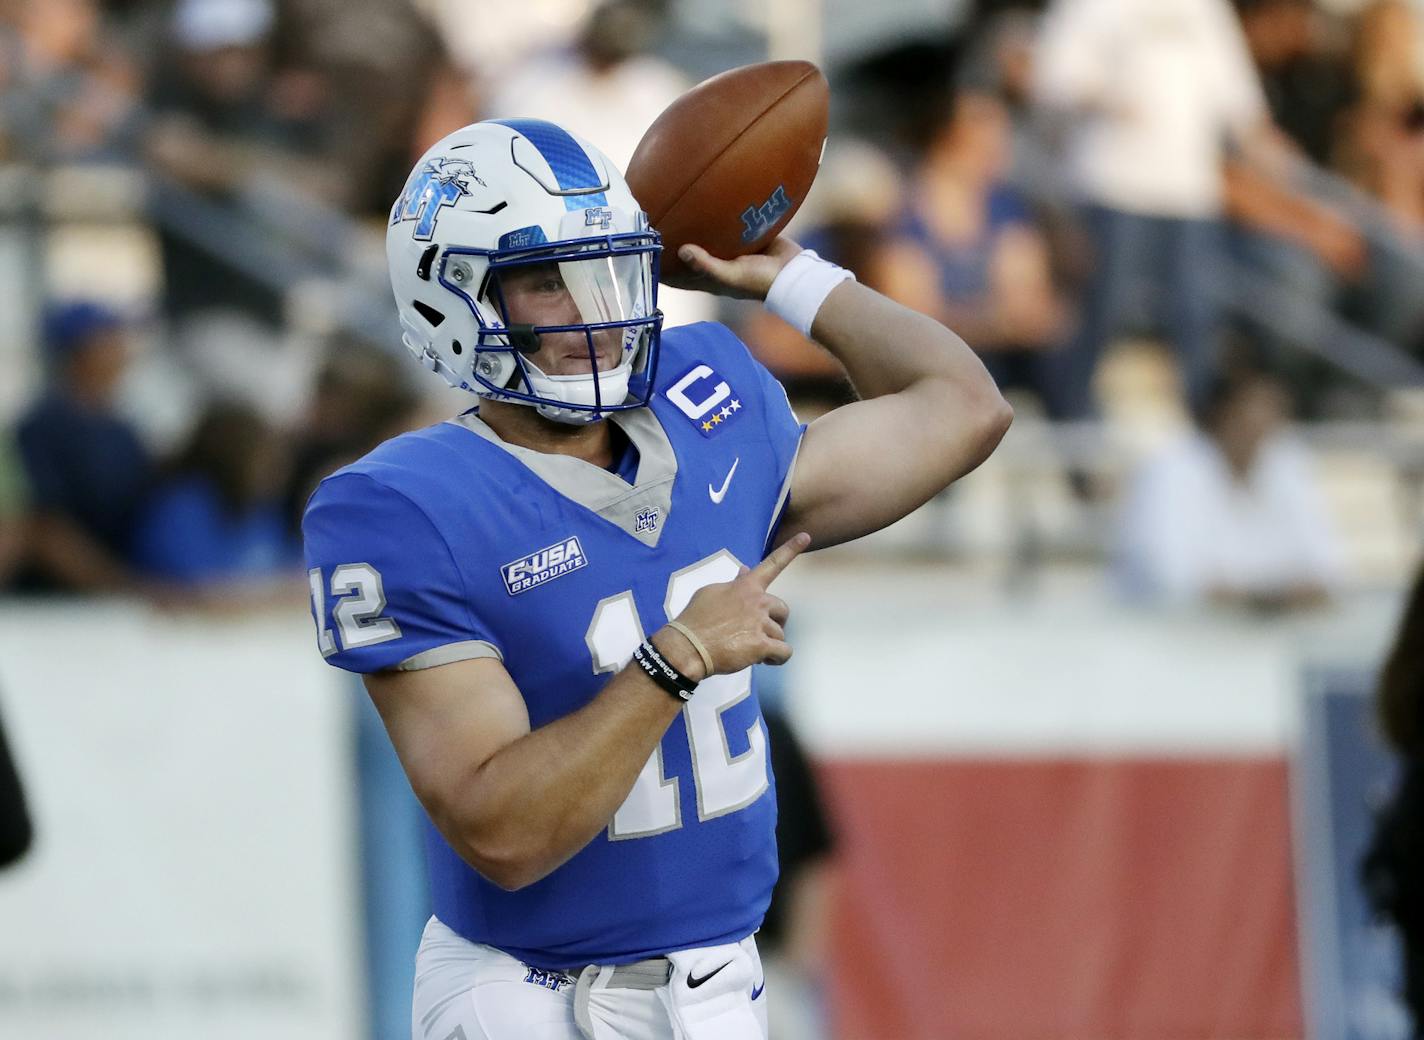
x: 696, y: 645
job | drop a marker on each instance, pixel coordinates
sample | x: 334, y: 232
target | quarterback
x: 556, y: 598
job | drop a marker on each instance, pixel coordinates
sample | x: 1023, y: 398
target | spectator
x: 66, y: 94
x: 1308, y: 86
x: 1359, y: 120
x: 1382, y: 146
x: 220, y: 120
x: 1306, y: 252
x: 388, y: 88
x: 362, y: 397
x: 966, y: 249
x: 217, y: 519
x: 1152, y: 89
x: 1001, y: 62
x: 85, y: 466
x: 1394, y: 866
x: 1381, y: 149
x: 1230, y: 514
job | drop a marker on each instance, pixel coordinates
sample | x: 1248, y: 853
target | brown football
x: 727, y: 164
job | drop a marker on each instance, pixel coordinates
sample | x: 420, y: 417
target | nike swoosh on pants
x: 693, y: 981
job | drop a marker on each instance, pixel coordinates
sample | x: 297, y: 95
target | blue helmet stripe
x: 565, y: 157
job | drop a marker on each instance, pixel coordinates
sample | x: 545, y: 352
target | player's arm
x: 929, y: 411
x: 516, y: 803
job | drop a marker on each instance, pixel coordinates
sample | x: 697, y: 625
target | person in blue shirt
x: 85, y: 466
x: 556, y: 598
x: 217, y: 518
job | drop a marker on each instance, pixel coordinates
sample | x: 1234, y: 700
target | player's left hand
x: 745, y: 278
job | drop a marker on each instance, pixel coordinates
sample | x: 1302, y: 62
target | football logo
x: 759, y: 219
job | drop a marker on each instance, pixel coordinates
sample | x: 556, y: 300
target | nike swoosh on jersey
x: 721, y: 493
x: 757, y: 990
x: 693, y: 981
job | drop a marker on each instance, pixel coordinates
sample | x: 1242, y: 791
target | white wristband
x: 801, y: 287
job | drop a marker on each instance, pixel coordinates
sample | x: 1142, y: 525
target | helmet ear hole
x: 429, y: 313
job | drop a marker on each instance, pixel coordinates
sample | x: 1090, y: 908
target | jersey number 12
x: 725, y: 782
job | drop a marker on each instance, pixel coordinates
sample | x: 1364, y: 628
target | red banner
x: 1035, y: 899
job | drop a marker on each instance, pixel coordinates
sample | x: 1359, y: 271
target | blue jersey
x: 448, y: 544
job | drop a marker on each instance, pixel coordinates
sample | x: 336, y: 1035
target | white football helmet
x: 488, y: 208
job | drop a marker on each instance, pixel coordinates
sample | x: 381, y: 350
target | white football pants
x: 467, y: 991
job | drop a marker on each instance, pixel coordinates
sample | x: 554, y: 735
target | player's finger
x: 704, y: 262
x: 774, y: 630
x: 777, y: 652
x: 780, y: 558
x: 777, y: 609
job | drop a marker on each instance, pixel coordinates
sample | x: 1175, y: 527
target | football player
x: 556, y: 598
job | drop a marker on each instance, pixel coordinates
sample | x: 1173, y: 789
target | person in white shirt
x: 1231, y: 513
x: 1155, y: 92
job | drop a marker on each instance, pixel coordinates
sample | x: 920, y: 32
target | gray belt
x: 647, y: 975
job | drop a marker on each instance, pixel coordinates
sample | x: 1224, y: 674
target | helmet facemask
x: 566, y: 326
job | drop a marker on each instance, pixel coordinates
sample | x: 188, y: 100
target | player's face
x: 536, y: 295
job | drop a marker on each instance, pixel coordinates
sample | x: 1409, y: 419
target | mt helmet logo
x: 439, y: 182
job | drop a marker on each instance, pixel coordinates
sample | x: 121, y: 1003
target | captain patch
x: 705, y: 398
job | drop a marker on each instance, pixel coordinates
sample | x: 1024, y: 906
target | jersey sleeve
x: 386, y: 592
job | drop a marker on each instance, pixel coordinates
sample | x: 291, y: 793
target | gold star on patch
x: 707, y: 427
x: 716, y: 419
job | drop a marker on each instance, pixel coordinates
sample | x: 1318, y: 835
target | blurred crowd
x: 1242, y: 183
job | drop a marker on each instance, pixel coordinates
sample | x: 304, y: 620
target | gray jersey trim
x: 598, y: 490
x: 469, y: 650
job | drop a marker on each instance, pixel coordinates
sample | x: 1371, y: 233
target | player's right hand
x: 748, y: 277
x: 739, y: 621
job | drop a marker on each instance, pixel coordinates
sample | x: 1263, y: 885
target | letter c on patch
x: 677, y: 393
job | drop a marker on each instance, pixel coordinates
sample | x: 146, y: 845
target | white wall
x: 194, y: 870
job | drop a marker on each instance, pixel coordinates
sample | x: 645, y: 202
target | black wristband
x: 656, y: 667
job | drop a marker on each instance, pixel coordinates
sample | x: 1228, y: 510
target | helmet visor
x: 581, y: 310
x: 557, y: 292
